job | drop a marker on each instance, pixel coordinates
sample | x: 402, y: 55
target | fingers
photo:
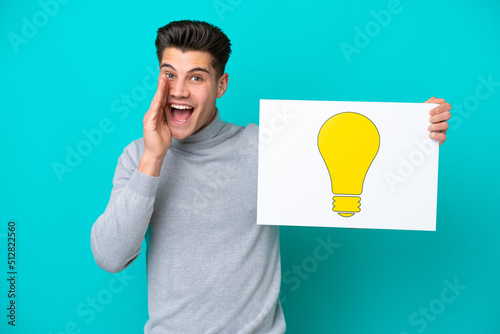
x: 440, y: 108
x: 439, y: 136
x: 442, y: 117
x: 435, y: 100
x: 164, y: 96
x: 439, y: 126
x: 442, y: 126
x: 159, y: 100
x: 439, y: 117
x: 441, y: 113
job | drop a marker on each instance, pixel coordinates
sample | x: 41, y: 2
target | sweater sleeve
x: 116, y: 237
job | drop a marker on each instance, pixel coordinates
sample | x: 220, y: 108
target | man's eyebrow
x: 196, y: 69
x: 167, y: 65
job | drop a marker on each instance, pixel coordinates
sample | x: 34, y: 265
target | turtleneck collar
x: 206, y: 133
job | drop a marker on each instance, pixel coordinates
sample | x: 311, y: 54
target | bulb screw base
x: 346, y: 206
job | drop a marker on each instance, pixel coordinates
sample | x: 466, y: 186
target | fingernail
x: 429, y: 128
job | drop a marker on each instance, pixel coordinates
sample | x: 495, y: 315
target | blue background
x: 68, y: 74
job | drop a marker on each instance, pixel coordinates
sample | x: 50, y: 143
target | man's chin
x: 179, y: 131
x: 180, y: 134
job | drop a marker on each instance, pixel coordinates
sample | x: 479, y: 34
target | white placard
x: 399, y: 190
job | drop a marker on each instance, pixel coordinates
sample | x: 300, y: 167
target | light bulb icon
x: 348, y: 143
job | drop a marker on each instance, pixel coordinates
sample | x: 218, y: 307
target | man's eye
x: 169, y: 75
x: 196, y: 78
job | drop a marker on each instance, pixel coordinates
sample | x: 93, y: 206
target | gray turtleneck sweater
x: 210, y: 267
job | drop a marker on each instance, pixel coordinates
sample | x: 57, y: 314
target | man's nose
x: 179, y: 89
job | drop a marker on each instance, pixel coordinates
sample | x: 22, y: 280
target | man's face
x: 193, y: 90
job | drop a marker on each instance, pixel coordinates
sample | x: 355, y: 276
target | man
x: 189, y: 186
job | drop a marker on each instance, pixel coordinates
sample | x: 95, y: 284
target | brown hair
x: 188, y: 35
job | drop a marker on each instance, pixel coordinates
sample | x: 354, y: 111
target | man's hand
x: 439, y: 117
x: 156, y: 134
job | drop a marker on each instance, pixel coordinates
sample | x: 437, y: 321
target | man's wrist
x: 150, y: 165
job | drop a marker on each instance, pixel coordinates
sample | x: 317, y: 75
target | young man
x: 189, y: 186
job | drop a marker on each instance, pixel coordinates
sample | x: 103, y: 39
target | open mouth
x: 180, y: 113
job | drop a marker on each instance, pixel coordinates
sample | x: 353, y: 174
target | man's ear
x: 222, y: 85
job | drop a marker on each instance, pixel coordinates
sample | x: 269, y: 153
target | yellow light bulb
x: 348, y: 143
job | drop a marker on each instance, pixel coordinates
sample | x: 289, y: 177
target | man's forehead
x: 186, y: 60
